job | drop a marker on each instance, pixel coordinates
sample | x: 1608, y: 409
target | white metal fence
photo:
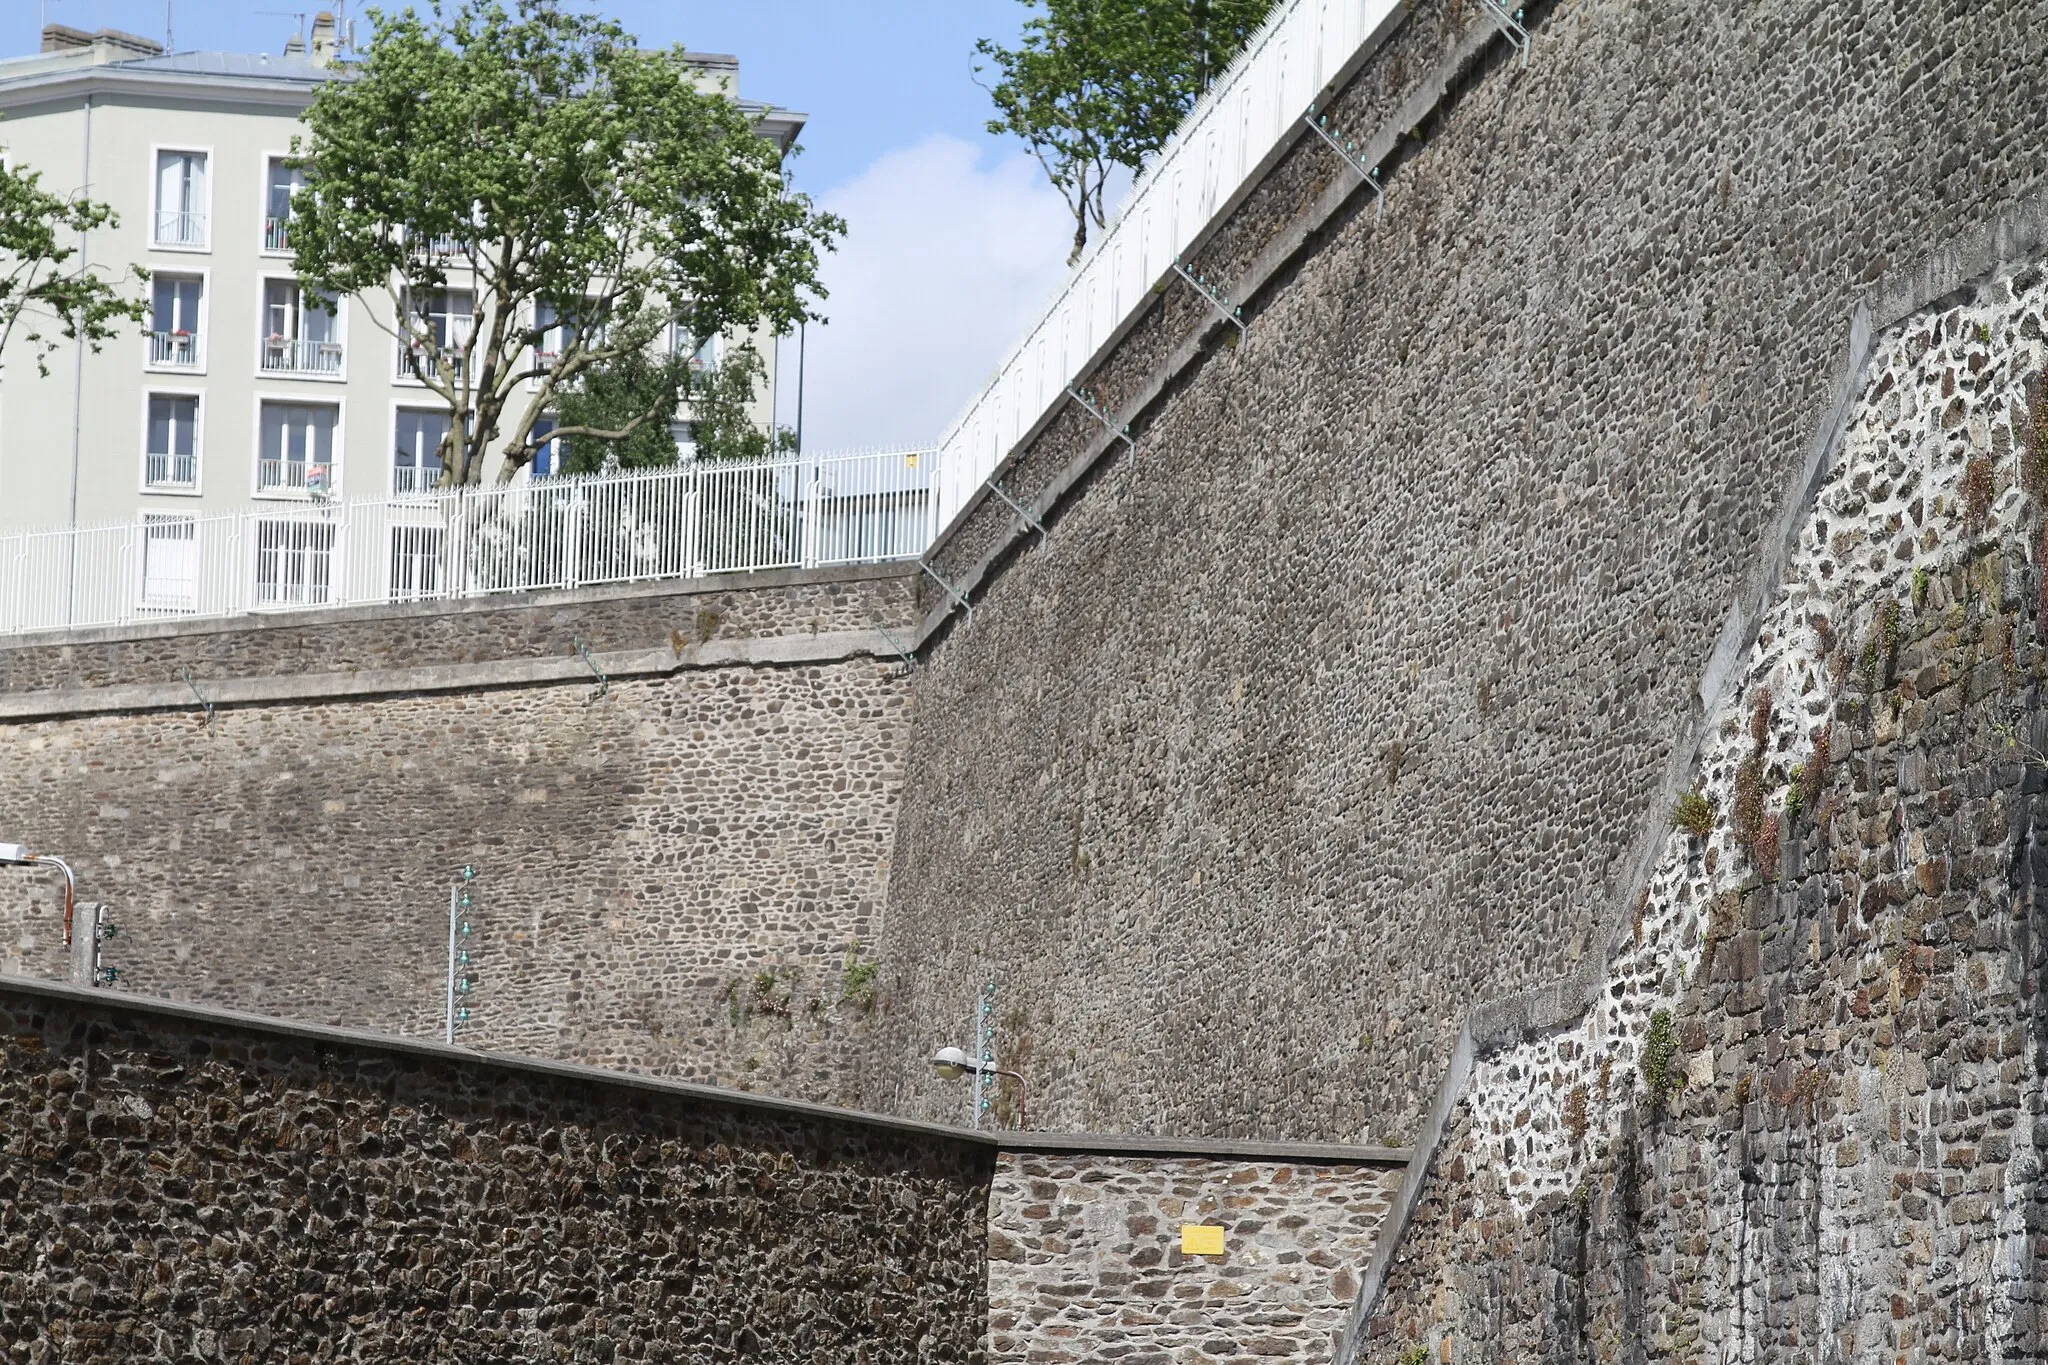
x: 699, y: 518
x: 1261, y: 99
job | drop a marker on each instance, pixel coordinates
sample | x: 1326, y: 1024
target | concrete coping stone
x: 1214, y: 1149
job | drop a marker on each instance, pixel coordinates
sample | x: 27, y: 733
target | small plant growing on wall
x: 1767, y: 848
x: 1978, y: 490
x: 1418, y: 1354
x: 857, y: 979
x: 1889, y: 629
x: 1574, y: 1112
x: 1694, y: 814
x: 1660, y: 1057
x: 2033, y: 440
x: 1749, y: 800
x: 1922, y: 581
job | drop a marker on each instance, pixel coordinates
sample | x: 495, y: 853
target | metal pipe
x: 1023, y: 1121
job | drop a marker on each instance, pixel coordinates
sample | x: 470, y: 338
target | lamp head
x: 952, y: 1063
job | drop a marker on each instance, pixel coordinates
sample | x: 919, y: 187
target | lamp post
x: 952, y: 1063
x: 17, y: 855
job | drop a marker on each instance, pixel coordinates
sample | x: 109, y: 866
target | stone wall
x: 1804, y: 1119
x: 1085, y: 1258
x: 672, y: 876
x: 1335, y: 706
x: 185, y: 1186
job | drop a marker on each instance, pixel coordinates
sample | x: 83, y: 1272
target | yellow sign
x: 1200, y: 1239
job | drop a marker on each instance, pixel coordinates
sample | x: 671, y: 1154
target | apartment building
x: 240, y: 393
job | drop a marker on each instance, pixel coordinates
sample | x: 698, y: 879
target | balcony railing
x: 416, y: 362
x: 180, y: 229
x: 171, y: 471
x: 174, y: 350
x: 415, y: 481
x: 281, y: 476
x: 283, y: 355
x: 277, y: 234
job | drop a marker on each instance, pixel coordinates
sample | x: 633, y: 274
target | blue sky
x: 954, y: 239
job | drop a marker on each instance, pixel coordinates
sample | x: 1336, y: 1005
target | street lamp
x: 17, y: 855
x: 952, y: 1063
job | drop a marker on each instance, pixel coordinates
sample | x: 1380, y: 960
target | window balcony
x: 174, y: 350
x: 283, y: 355
x: 415, y: 362
x: 281, y: 476
x: 415, y: 481
x: 180, y: 229
x: 171, y: 471
x: 277, y: 234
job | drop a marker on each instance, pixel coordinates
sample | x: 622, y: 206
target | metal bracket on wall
x: 1510, y: 25
x: 909, y: 659
x: 959, y: 598
x: 1320, y: 126
x: 604, y: 684
x: 1094, y: 409
x: 1029, y: 517
x: 202, y: 699
x: 1218, y: 300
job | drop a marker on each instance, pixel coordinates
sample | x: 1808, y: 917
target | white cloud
x: 946, y: 260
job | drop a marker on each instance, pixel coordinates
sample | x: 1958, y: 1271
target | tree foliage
x: 1100, y: 83
x: 721, y: 400
x: 540, y: 160
x: 46, y: 292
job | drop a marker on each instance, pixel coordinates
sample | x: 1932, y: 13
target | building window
x: 174, y: 321
x: 416, y: 561
x: 446, y: 316
x: 297, y: 451
x: 547, y: 459
x: 703, y: 352
x: 281, y: 182
x: 294, y: 563
x: 684, y: 434
x: 170, y: 563
x: 417, y: 452
x: 181, y: 199
x: 300, y: 335
x: 172, y: 457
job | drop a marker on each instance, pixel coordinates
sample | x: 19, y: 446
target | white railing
x: 416, y: 362
x: 277, y: 234
x: 1261, y: 99
x: 180, y: 229
x: 175, y: 350
x: 681, y: 522
x: 284, y: 355
x: 170, y: 471
x: 280, y: 476
x: 415, y: 481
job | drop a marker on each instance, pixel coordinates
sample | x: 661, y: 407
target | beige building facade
x: 238, y: 394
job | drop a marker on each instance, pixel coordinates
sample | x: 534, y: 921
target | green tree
x: 722, y: 410
x: 539, y: 198
x: 721, y: 399
x: 45, y: 291
x: 1100, y: 83
x: 612, y: 397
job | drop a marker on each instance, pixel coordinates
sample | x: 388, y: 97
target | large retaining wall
x: 1800, y: 1115
x: 183, y: 1185
x: 674, y: 865
x: 1335, y: 705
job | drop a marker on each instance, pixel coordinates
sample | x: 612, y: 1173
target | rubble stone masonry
x: 672, y: 870
x: 182, y: 1185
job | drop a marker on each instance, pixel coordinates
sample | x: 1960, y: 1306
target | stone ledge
x: 1203, y: 1149
x: 468, y: 606
x: 762, y: 652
